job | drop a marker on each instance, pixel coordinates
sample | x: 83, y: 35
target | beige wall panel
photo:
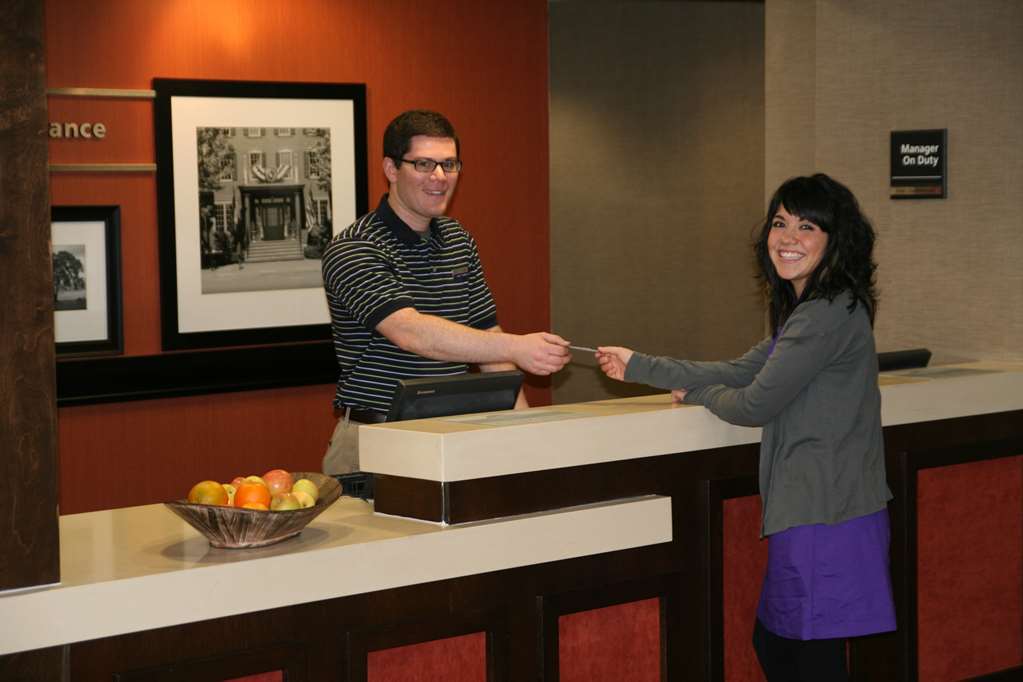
x: 657, y: 158
x: 790, y: 77
x: 951, y: 270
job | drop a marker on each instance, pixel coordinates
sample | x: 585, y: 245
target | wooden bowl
x: 236, y: 528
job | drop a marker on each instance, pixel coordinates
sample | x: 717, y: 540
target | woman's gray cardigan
x: 816, y: 397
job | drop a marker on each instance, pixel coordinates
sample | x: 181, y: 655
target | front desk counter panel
x: 462, y: 448
x: 472, y: 467
x: 139, y: 568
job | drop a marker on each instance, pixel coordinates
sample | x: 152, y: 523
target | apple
x: 304, y: 498
x: 207, y: 492
x: 308, y: 487
x: 278, y: 481
x: 257, y: 479
x: 231, y: 489
x: 284, y: 502
x: 237, y: 482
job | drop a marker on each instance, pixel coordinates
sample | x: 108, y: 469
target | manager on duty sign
x: 919, y: 164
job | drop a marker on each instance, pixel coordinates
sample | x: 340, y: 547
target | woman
x: 812, y: 385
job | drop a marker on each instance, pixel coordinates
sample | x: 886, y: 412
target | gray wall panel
x: 950, y: 270
x: 657, y: 176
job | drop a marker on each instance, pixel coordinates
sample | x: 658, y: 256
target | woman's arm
x: 670, y: 373
x: 812, y: 338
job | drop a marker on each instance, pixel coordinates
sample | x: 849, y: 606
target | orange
x: 207, y: 492
x: 252, y: 493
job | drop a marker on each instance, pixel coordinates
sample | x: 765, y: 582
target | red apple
x: 278, y: 481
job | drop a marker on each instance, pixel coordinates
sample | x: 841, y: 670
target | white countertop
x: 502, y: 443
x: 132, y: 569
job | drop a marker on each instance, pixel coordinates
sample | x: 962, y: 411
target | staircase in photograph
x: 274, y: 250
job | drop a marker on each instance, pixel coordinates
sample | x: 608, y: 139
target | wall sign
x: 71, y: 130
x: 919, y: 167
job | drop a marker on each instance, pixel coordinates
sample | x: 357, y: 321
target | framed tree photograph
x: 253, y: 180
x: 86, y: 279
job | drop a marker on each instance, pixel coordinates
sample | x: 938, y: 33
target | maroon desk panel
x: 620, y: 642
x: 744, y: 561
x: 970, y: 568
x: 454, y: 659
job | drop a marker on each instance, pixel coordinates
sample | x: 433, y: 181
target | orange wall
x: 482, y: 64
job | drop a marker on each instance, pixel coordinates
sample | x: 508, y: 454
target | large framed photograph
x: 86, y: 279
x: 253, y: 179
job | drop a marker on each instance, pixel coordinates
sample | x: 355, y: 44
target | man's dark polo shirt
x: 378, y: 265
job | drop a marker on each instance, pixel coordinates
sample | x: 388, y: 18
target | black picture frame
x: 87, y: 318
x: 202, y: 231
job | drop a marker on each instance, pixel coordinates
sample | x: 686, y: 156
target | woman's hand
x: 613, y: 360
x: 678, y: 395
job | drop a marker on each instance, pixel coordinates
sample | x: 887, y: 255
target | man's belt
x: 365, y: 416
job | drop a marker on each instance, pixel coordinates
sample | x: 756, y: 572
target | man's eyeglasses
x: 428, y: 165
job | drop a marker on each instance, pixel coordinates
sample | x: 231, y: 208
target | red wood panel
x: 119, y: 455
x: 454, y: 659
x: 276, y: 676
x: 621, y: 642
x: 744, y: 560
x: 970, y: 568
x: 483, y: 64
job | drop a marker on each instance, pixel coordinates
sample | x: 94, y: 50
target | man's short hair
x: 400, y: 131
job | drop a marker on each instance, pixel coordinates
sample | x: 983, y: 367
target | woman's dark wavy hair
x: 848, y: 260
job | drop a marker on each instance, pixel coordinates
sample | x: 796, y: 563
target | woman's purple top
x: 824, y: 581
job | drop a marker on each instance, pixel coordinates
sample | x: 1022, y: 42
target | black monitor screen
x: 461, y: 394
x: 903, y: 359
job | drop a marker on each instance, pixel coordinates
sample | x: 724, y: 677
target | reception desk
x: 600, y: 541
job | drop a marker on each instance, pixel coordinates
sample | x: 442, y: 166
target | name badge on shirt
x: 460, y: 273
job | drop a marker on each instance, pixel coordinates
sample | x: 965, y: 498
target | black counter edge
x: 87, y: 381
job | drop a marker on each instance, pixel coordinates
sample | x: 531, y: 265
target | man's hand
x: 540, y: 353
x: 613, y: 360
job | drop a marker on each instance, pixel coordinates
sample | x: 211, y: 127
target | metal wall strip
x: 118, y: 93
x: 102, y: 167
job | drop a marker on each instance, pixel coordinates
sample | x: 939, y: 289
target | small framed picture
x: 86, y: 245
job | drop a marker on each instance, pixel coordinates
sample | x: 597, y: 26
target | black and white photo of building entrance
x: 264, y: 207
x: 275, y: 222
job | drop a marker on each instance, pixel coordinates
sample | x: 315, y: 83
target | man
x: 406, y: 290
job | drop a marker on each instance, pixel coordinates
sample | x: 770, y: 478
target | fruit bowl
x: 236, y: 528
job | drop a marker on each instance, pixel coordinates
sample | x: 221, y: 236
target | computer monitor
x: 903, y: 359
x: 460, y: 394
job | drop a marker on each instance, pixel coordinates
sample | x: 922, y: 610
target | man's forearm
x: 440, y: 339
x: 434, y: 337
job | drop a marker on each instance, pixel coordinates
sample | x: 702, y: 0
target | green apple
x: 306, y: 486
x: 304, y: 498
x: 284, y: 502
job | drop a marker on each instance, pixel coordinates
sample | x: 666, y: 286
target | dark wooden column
x: 29, y: 543
x: 29, y: 538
